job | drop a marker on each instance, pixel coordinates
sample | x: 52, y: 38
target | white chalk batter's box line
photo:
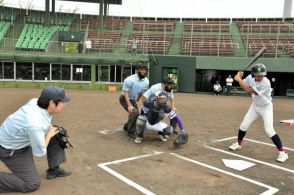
x: 270, y: 189
x: 248, y: 158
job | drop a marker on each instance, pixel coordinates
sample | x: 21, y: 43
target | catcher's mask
x: 161, y: 98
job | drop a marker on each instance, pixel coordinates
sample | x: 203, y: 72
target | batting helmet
x: 258, y: 70
x: 167, y: 80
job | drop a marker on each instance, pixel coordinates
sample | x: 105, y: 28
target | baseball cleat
x: 162, y: 138
x: 138, y: 140
x: 235, y: 146
x: 283, y: 157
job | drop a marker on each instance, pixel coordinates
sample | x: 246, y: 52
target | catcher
x: 28, y: 132
x: 152, y: 114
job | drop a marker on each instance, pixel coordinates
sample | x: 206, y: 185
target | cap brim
x: 66, y: 99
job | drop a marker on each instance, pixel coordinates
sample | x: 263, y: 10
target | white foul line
x: 254, y: 141
x: 251, y: 159
x: 123, y: 178
x: 271, y: 190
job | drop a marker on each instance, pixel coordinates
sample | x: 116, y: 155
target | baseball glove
x: 180, y: 140
x: 62, y: 136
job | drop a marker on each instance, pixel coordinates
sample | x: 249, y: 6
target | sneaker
x: 162, y: 138
x: 235, y: 146
x: 138, y: 140
x: 125, y: 127
x: 57, y: 172
x: 166, y: 136
x: 283, y: 157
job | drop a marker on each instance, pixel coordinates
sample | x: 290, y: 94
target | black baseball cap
x: 55, y: 93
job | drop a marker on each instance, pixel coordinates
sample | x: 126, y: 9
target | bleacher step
x: 175, y: 48
x: 122, y: 43
x: 239, y: 47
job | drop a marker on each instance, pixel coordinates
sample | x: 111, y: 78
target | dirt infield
x: 206, y: 118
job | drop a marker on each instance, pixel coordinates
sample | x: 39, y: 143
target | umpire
x: 133, y: 88
x: 29, y: 132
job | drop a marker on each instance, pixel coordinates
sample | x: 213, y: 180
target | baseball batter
x: 260, y: 89
x: 152, y: 114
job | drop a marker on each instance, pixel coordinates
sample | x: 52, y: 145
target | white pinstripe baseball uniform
x: 261, y: 105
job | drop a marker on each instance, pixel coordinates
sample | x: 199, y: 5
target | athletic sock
x: 277, y: 141
x: 241, y: 135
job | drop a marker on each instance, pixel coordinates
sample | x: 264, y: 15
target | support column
x: 53, y: 7
x: 101, y: 14
x: 287, y: 9
x: 47, y: 12
x: 105, y: 10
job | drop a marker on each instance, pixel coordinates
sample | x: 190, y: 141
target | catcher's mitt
x: 62, y: 136
x: 180, y: 140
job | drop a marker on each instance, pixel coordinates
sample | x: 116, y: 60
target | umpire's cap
x: 141, y: 65
x: 167, y: 80
x: 55, y: 93
x: 258, y: 70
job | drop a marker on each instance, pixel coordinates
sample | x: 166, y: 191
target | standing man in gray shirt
x: 29, y: 132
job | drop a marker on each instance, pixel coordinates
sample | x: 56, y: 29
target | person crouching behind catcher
x: 152, y: 114
x: 29, y: 132
x: 260, y: 89
x: 167, y: 86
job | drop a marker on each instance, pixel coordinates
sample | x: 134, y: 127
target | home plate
x: 287, y: 122
x: 239, y: 165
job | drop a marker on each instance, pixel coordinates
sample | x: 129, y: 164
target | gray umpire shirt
x: 26, y: 127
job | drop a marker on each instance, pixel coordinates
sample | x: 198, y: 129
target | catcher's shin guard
x: 168, y: 130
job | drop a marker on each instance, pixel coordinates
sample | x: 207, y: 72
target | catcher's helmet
x: 167, y: 80
x: 258, y: 70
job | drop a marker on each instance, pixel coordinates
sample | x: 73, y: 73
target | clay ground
x: 206, y: 118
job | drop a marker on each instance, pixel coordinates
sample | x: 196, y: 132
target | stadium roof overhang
x: 117, y: 2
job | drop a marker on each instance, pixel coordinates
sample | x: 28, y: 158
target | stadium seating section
x: 151, y: 43
x: 103, y: 41
x: 36, y: 36
x: 142, y: 25
x: 188, y: 37
x: 263, y: 27
x: 207, y: 45
x: 109, y: 24
x: 57, y: 19
x: 272, y: 43
x: 4, y: 27
x: 7, y: 15
x: 203, y: 26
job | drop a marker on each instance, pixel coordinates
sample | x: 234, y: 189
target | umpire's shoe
x: 57, y: 172
x: 132, y: 134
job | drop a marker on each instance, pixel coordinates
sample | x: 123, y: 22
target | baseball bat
x: 254, y: 58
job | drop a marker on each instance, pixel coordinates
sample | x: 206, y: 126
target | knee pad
x: 168, y: 130
x: 135, y: 112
